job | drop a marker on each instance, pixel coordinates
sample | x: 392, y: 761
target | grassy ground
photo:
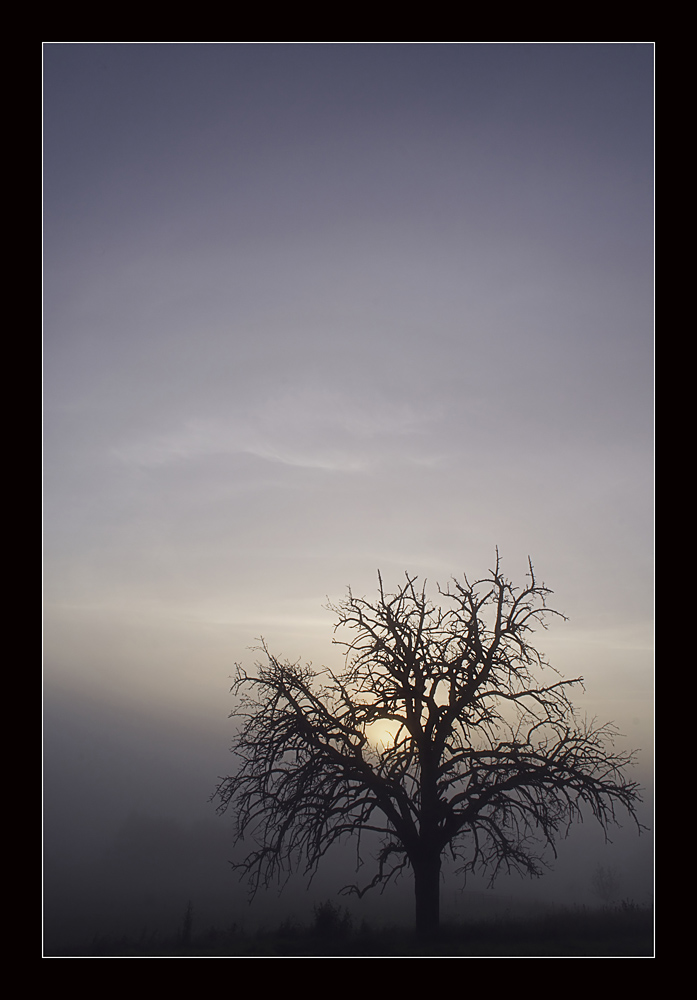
x: 622, y: 931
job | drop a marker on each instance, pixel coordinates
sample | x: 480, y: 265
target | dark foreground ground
x: 622, y: 931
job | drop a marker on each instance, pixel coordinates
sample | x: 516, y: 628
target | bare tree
x: 488, y: 762
x: 606, y: 884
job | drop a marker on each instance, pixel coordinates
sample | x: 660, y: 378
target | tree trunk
x: 427, y: 886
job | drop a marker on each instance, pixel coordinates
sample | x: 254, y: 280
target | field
x: 622, y: 931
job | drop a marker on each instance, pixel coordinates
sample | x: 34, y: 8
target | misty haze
x: 313, y: 310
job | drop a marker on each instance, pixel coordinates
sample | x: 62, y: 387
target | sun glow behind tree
x: 487, y: 761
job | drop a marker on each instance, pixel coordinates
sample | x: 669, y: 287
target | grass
x: 621, y: 931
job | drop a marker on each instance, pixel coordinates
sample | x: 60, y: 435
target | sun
x: 382, y: 733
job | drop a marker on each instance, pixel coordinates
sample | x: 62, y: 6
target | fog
x: 311, y: 311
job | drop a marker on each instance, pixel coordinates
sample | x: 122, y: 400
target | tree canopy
x: 487, y: 760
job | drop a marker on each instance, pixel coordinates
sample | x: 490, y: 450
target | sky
x: 313, y: 311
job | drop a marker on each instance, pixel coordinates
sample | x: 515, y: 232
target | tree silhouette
x: 487, y: 763
x: 606, y: 884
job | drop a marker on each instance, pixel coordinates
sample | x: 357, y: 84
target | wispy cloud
x: 314, y: 431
